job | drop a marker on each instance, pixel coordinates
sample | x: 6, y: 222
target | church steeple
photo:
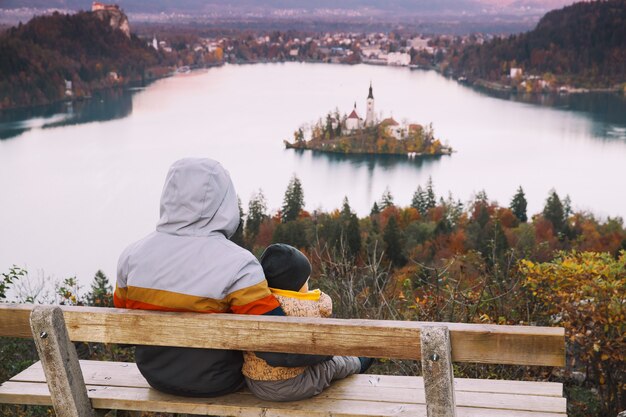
x: 369, y: 116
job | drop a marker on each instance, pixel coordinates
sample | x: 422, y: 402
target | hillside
x: 582, y: 45
x: 84, y: 48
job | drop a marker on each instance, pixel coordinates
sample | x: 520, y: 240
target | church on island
x: 352, y: 134
x: 354, y: 122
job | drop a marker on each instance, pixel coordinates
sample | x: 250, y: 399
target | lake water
x: 79, y: 183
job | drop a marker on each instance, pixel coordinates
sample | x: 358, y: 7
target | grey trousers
x: 313, y: 381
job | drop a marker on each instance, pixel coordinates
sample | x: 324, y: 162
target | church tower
x: 369, y: 117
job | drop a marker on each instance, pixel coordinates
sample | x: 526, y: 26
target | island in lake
x: 350, y: 134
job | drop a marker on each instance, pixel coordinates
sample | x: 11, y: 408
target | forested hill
x: 583, y: 44
x: 39, y: 56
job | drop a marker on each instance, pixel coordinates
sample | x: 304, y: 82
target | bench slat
x: 240, y: 404
x: 126, y: 374
x: 118, y: 374
x: 518, y: 345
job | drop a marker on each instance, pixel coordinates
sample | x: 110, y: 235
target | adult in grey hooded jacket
x: 188, y: 264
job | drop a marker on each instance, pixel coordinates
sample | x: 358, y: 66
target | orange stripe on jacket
x: 255, y: 299
x: 257, y: 307
x: 119, y: 297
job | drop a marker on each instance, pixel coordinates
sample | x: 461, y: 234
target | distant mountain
x: 242, y: 7
x: 583, y: 44
x: 91, y: 50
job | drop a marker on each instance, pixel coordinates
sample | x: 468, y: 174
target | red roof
x: 353, y: 115
x: 389, y: 121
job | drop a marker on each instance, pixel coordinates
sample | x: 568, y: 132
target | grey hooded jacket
x: 188, y: 264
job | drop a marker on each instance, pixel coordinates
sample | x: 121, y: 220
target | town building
x: 394, y: 128
x: 398, y: 59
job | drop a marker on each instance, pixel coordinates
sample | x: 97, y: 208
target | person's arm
x: 119, y: 296
x: 249, y: 295
x: 289, y: 360
x: 326, y: 305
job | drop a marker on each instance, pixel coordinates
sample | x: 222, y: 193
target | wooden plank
x: 352, y: 388
x: 240, y: 404
x: 14, y: 320
x: 60, y: 363
x: 124, y: 374
x: 520, y: 345
x: 550, y: 389
x: 502, y: 401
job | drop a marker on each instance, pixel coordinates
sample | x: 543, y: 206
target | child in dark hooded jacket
x: 287, y: 272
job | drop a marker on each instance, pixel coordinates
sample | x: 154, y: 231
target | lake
x: 79, y: 182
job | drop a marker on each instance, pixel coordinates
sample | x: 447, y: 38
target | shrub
x: 585, y: 292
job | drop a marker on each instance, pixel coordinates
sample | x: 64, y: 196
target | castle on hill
x: 95, y: 6
x: 112, y: 14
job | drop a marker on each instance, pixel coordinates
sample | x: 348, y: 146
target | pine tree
x: 293, y: 203
x: 375, y: 209
x: 338, y: 121
x: 292, y: 233
x: 567, y: 206
x: 554, y: 212
x: 393, y: 245
x: 480, y: 208
x: 330, y: 132
x: 431, y: 199
x: 257, y: 213
x: 346, y: 210
x: 518, y: 205
x: 101, y: 294
x: 454, y: 209
x: 350, y: 230
x: 237, y: 237
x: 418, y: 201
x: 387, y: 199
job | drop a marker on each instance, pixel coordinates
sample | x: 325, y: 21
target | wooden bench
x: 116, y: 385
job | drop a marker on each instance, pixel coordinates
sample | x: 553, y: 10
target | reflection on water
x: 606, y: 110
x: 361, y: 171
x: 370, y: 161
x: 103, y: 106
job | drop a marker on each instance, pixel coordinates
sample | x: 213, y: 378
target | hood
x: 198, y: 199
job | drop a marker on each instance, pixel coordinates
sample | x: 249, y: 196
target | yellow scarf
x: 313, y: 295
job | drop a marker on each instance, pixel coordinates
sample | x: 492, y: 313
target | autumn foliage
x: 585, y: 292
x: 478, y: 262
x: 39, y: 56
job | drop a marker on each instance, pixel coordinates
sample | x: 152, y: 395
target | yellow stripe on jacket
x: 312, y: 304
